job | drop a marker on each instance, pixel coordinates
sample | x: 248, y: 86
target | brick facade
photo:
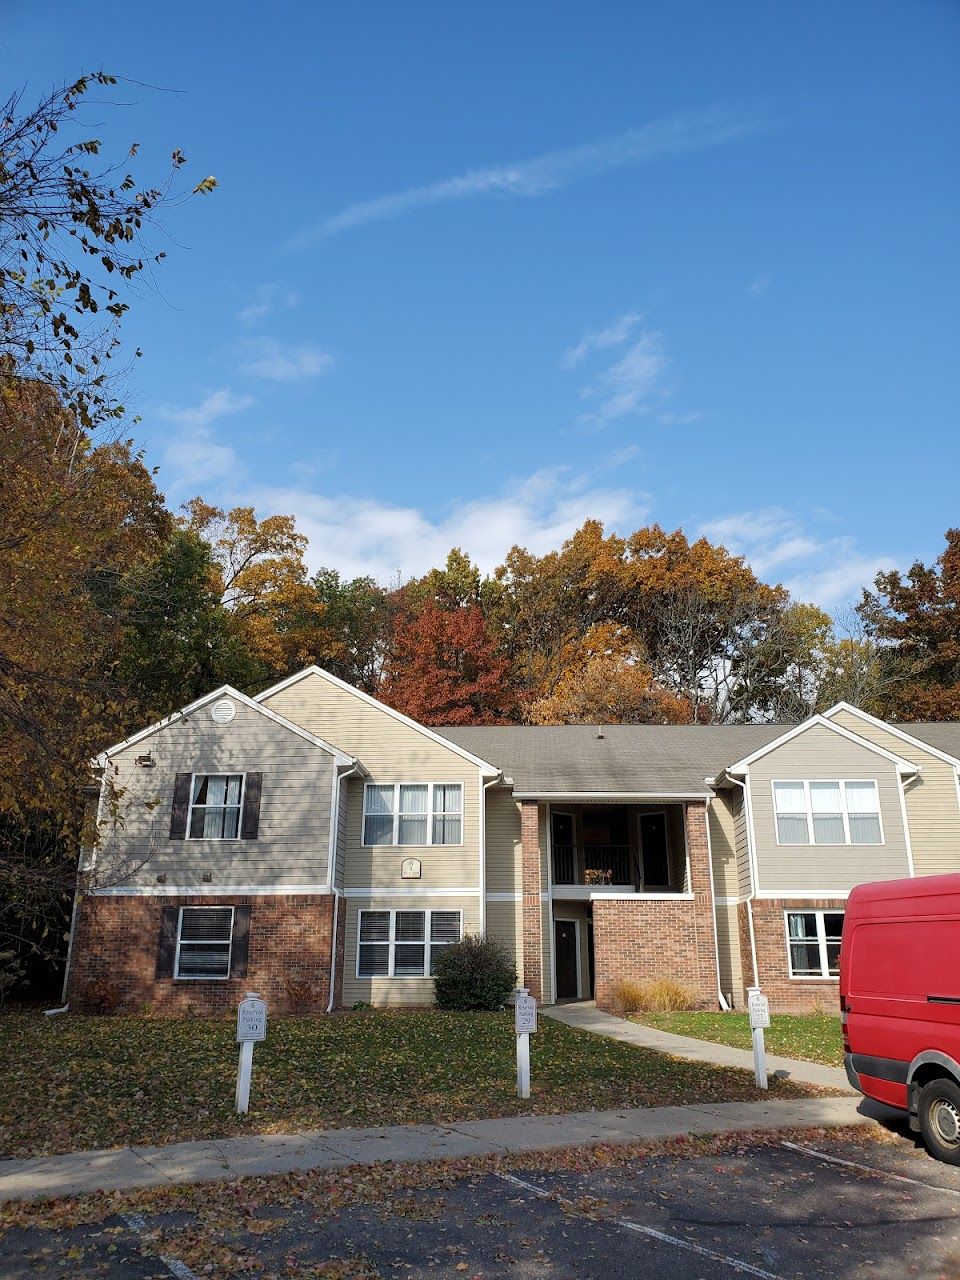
x: 113, y: 968
x: 530, y: 887
x: 639, y: 940
x: 787, y: 994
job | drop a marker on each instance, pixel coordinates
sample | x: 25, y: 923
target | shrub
x: 662, y: 996
x: 477, y: 973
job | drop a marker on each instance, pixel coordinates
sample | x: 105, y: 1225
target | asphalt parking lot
x: 838, y: 1209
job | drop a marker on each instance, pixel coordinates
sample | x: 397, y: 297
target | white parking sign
x: 759, y: 1007
x: 251, y: 1020
x: 525, y: 1015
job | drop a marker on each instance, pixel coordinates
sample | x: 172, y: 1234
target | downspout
x: 81, y: 869
x: 353, y: 772
x: 748, y: 820
x: 713, y: 906
x: 482, y: 912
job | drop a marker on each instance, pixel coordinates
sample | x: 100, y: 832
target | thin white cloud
x: 361, y: 536
x: 827, y: 570
x: 614, y: 335
x: 627, y: 386
x: 265, y: 300
x: 198, y: 460
x: 544, y: 173
x: 277, y: 362
x: 217, y: 404
x: 759, y: 286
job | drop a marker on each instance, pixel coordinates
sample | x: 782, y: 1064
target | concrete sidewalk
x: 264, y: 1154
x: 585, y: 1016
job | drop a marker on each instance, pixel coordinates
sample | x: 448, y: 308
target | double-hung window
x: 413, y: 813
x: 403, y: 944
x: 204, y: 938
x: 215, y: 802
x: 813, y: 943
x: 827, y: 812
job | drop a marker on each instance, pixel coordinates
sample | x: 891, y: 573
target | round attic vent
x: 223, y: 711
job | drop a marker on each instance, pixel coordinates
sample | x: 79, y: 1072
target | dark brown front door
x: 565, y: 954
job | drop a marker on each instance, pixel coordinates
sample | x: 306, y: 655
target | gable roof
x: 921, y: 735
x: 227, y: 691
x: 903, y: 766
x: 444, y: 741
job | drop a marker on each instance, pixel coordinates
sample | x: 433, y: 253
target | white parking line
x: 868, y: 1168
x: 745, y: 1268
x: 136, y: 1222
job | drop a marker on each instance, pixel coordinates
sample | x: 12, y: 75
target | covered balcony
x: 626, y: 848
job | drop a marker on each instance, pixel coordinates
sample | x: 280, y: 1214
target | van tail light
x: 844, y: 1015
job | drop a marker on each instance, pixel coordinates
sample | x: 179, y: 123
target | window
x: 215, y: 806
x: 813, y: 943
x: 413, y: 813
x: 827, y: 813
x: 403, y: 944
x: 204, y: 938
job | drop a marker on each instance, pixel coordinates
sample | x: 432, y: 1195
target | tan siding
x: 342, y: 819
x: 723, y: 844
x: 820, y: 753
x: 741, y: 841
x: 728, y: 947
x: 292, y: 847
x: 503, y: 842
x: 545, y: 872
x: 546, y: 939
x: 505, y: 924
x: 396, y: 991
x: 933, y: 806
x: 392, y: 752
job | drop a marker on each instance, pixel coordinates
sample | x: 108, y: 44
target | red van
x: 900, y: 1002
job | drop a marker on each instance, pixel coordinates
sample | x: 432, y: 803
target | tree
x: 356, y: 627
x: 72, y: 242
x: 610, y: 685
x: 916, y: 619
x: 444, y: 669
x: 262, y: 582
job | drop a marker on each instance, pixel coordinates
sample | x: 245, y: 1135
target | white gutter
x: 748, y: 821
x: 356, y: 770
x: 713, y: 908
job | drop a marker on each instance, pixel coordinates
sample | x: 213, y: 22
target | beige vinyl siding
x: 396, y: 991
x: 728, y: 948
x: 723, y: 844
x: 933, y: 805
x: 546, y: 963
x: 819, y: 753
x: 342, y: 831
x: 504, y: 867
x: 738, y: 807
x: 392, y: 752
x: 505, y: 923
x: 293, y: 842
x: 543, y: 827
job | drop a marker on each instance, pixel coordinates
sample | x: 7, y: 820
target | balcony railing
x: 609, y: 863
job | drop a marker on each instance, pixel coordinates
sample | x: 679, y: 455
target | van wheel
x: 938, y: 1110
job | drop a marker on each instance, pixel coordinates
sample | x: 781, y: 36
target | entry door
x: 565, y: 957
x: 655, y: 850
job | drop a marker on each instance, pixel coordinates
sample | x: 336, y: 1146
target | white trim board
x: 487, y: 768
x: 227, y: 691
x: 741, y: 766
x: 387, y: 892
x: 210, y: 890
x: 577, y: 797
x: 642, y: 897
x: 803, y: 895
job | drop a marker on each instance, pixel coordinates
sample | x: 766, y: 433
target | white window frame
x: 824, y: 975
x: 394, y: 842
x: 842, y: 783
x: 391, y: 943
x: 190, y: 807
x: 205, y: 977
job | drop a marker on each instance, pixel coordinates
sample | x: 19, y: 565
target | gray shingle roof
x: 638, y: 759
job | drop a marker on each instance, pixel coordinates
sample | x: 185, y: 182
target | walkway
x: 585, y: 1016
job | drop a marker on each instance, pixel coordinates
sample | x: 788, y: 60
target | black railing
x: 602, y: 864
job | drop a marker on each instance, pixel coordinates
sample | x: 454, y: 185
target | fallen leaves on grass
x: 80, y: 1082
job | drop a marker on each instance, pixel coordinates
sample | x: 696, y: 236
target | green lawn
x: 814, y: 1037
x: 77, y: 1082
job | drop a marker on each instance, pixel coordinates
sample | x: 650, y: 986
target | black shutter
x: 240, y: 942
x: 181, y: 807
x: 250, y: 823
x: 167, y: 947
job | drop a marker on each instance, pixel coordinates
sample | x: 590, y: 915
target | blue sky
x: 476, y: 272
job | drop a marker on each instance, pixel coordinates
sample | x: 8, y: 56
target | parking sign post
x: 251, y: 1027
x: 524, y: 1021
x: 759, y: 1007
